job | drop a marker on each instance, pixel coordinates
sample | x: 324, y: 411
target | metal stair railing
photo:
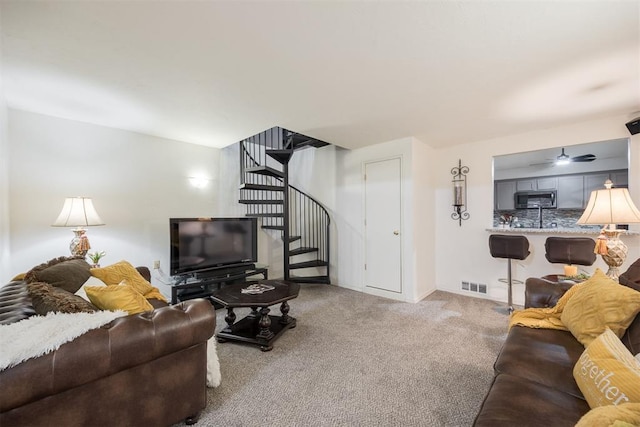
x: 308, y: 221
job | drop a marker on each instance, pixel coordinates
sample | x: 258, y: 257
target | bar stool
x: 509, y: 247
x: 569, y: 251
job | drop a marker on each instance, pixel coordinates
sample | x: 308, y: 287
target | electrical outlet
x: 465, y: 286
x: 482, y: 288
x: 156, y: 265
x: 473, y: 287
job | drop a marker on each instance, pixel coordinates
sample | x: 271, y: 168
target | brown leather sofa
x: 147, y: 369
x: 534, y: 384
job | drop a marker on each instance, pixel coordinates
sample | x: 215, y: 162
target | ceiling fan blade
x: 584, y: 158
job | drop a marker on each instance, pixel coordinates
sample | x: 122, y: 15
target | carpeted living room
x: 293, y: 213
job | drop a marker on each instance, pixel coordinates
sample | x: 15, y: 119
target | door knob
x: 396, y: 232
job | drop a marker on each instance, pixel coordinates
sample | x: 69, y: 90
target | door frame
x: 369, y: 289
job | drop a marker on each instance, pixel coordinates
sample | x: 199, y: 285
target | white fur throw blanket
x: 39, y: 335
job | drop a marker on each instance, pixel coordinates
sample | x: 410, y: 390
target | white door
x: 383, y: 238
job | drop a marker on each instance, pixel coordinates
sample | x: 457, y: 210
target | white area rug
x: 39, y: 335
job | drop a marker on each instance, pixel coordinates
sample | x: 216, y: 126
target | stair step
x: 294, y: 238
x: 308, y: 264
x: 266, y: 171
x: 310, y: 279
x: 281, y: 156
x: 302, y: 141
x: 273, y: 227
x: 248, y: 186
x: 265, y: 215
x: 303, y: 250
x: 261, y: 202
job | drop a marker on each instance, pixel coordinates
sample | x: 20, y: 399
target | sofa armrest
x: 542, y: 293
x: 124, y: 343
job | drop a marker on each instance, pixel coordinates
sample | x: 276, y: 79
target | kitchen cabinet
x: 537, y: 184
x: 504, y: 195
x: 593, y: 182
x: 570, y: 192
x: 548, y: 183
x: 525, y: 185
x: 620, y: 179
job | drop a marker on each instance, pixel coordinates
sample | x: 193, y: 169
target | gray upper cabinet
x: 620, y: 179
x: 535, y: 184
x: 593, y: 182
x: 548, y: 183
x: 525, y: 185
x: 504, y: 193
x: 571, y: 192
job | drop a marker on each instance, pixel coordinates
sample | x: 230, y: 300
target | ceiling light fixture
x: 563, y: 159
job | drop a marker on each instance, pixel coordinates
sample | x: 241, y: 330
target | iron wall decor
x: 460, y: 192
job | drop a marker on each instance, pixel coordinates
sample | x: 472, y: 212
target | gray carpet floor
x: 360, y: 360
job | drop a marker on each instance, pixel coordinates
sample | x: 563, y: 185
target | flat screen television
x: 200, y: 244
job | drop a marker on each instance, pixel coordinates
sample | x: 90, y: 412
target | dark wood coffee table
x: 258, y: 327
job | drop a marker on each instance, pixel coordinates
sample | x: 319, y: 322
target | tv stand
x: 203, y: 284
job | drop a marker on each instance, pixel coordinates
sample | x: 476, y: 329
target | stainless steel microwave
x: 536, y: 199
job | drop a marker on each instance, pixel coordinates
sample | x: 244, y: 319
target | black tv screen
x: 199, y: 244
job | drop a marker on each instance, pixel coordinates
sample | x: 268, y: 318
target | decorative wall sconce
x: 460, y: 192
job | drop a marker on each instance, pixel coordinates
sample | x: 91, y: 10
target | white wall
x: 137, y: 183
x: 5, y: 260
x: 463, y: 252
x: 349, y: 214
x: 424, y: 219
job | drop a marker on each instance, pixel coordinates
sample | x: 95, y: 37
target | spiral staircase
x: 300, y: 219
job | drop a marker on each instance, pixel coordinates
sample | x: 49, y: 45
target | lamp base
x: 79, y: 245
x: 616, y: 253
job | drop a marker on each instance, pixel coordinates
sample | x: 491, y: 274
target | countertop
x: 579, y: 231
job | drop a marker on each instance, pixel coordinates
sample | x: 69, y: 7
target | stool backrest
x: 570, y: 250
x: 513, y: 247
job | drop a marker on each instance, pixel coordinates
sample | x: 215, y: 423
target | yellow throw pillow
x: 123, y: 297
x: 607, y: 373
x: 600, y: 302
x: 113, y: 274
x: 625, y: 414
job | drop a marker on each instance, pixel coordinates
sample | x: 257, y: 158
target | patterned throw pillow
x: 114, y: 274
x: 47, y: 298
x: 600, y: 303
x: 607, y: 373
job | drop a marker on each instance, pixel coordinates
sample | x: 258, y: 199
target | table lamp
x: 78, y: 212
x: 609, y: 207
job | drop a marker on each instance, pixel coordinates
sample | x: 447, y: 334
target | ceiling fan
x: 564, y: 159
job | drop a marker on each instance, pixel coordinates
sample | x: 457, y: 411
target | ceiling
x: 352, y: 73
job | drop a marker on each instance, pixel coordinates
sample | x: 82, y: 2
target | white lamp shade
x: 78, y: 212
x: 610, y: 206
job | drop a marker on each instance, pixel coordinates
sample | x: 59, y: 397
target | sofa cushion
x: 120, y: 297
x: 545, y: 356
x: 68, y: 273
x: 15, y: 303
x: 599, y: 303
x: 607, y: 373
x: 114, y: 274
x: 514, y: 401
x: 47, y: 298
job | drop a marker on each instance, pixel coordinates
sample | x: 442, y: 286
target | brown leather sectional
x: 147, y: 369
x: 534, y: 384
